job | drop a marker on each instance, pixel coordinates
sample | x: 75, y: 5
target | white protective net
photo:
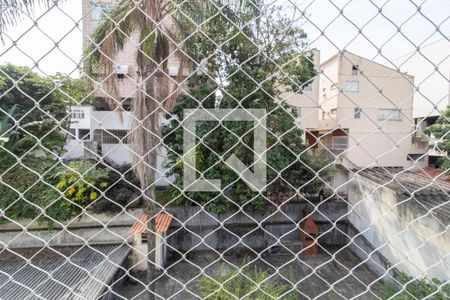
x: 224, y: 149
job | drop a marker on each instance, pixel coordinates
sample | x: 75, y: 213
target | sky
x: 55, y: 43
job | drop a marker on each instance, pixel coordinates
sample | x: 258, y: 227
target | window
x: 144, y: 237
x: 354, y: 70
x: 307, y: 87
x: 120, y: 77
x: 99, y: 9
x: 84, y: 134
x: 357, y: 113
x: 72, y: 134
x: 333, y: 113
x: 77, y: 114
x: 415, y: 157
x: 112, y: 136
x: 352, y: 86
x: 391, y: 114
x: 339, y: 142
x: 297, y: 111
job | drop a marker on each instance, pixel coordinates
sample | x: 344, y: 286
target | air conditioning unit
x: 122, y: 69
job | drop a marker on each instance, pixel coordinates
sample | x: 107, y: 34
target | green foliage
x: 33, y: 108
x: 250, y: 57
x: 80, y: 181
x: 441, y: 131
x: 407, y: 288
x: 28, y: 190
x: 243, y: 285
x: 71, y: 90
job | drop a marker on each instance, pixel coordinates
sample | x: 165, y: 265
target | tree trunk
x: 150, y: 181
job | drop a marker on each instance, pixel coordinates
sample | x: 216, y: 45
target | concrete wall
x: 284, y: 225
x: 88, y: 228
x: 409, y: 239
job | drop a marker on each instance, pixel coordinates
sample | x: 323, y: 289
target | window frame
x: 339, y: 146
x: 396, y: 114
x: 77, y: 114
x: 349, y: 84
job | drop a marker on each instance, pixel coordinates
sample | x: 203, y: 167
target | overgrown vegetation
x: 80, y: 181
x: 244, y: 285
x: 408, y: 288
x: 33, y: 119
x: 45, y: 190
x: 248, y: 75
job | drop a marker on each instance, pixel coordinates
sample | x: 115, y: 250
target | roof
x: 162, y: 223
x: 432, y: 193
x: 76, y: 272
x: 433, y: 172
x: 344, y: 52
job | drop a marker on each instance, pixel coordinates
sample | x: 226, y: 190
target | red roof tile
x: 162, y: 223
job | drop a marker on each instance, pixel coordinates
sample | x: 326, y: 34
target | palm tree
x: 155, y: 90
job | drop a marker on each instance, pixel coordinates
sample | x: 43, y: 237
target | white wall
x: 112, y: 120
x: 413, y: 245
x: 81, y: 123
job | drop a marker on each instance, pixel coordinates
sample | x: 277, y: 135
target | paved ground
x: 331, y: 279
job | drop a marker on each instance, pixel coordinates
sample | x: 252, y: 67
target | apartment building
x: 97, y: 130
x: 366, y: 116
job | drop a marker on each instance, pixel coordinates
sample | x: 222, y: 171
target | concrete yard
x: 321, y: 276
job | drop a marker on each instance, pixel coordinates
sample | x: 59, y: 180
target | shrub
x: 28, y: 191
x: 408, y: 288
x: 80, y: 181
x: 243, y: 285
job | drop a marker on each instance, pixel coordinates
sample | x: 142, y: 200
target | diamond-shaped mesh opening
x: 223, y: 149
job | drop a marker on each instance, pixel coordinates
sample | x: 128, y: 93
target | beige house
x: 366, y: 113
x: 365, y: 117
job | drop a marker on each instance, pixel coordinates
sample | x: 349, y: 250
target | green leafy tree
x: 258, y: 59
x: 32, y: 110
x: 441, y: 131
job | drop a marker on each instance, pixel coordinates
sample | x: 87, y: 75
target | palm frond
x: 13, y: 11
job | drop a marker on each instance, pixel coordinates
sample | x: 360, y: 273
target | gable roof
x: 162, y: 223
